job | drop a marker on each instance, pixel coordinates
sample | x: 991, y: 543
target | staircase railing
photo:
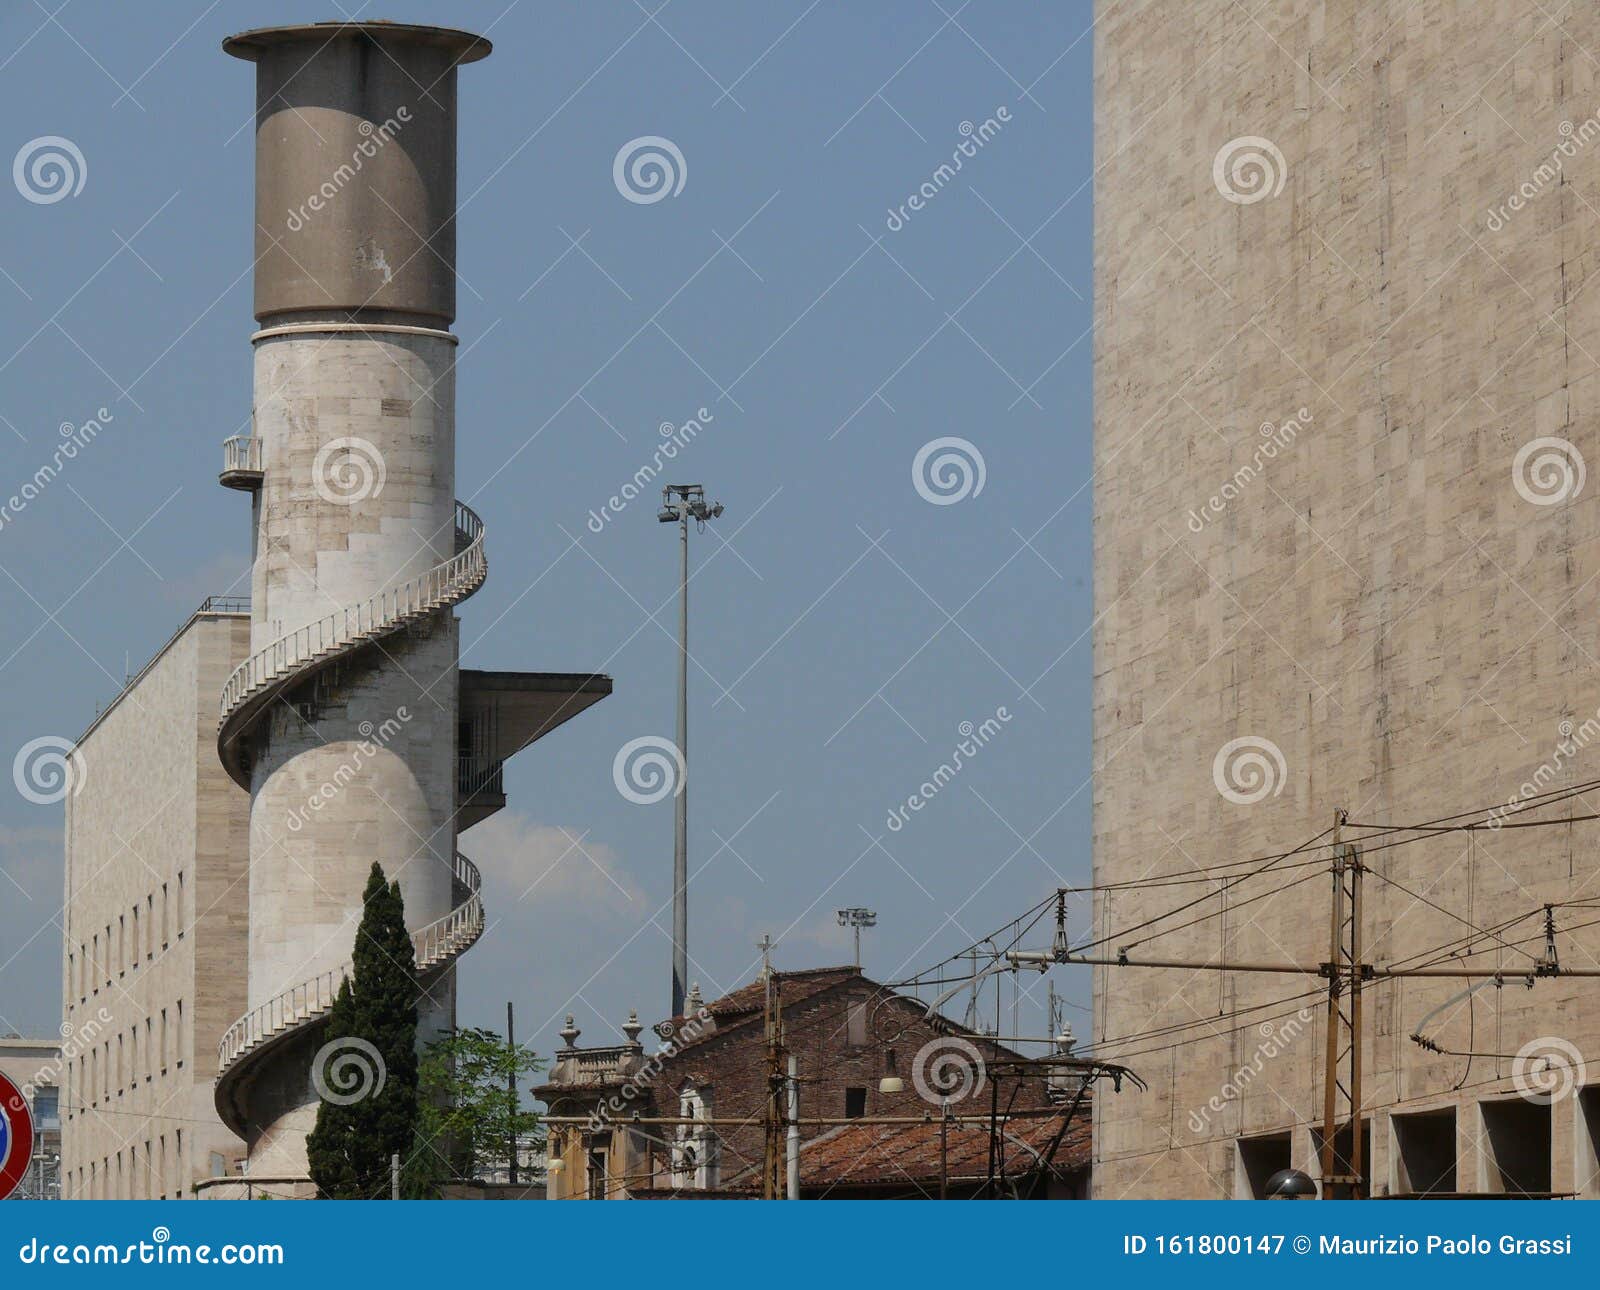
x: 434, y: 945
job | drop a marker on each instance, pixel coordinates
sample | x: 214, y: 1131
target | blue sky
x: 843, y: 625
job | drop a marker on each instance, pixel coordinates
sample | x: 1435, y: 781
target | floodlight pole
x: 680, y: 836
x: 681, y: 502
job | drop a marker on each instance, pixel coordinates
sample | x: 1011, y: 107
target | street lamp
x: 857, y: 918
x: 680, y: 503
x: 1290, y: 1184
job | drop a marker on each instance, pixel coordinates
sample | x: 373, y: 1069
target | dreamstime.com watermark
x: 1249, y: 769
x: 674, y: 439
x: 1574, y: 739
x: 616, y: 1106
x: 1548, y: 1069
x: 1249, y: 169
x: 46, y: 769
x: 648, y: 769
x: 1547, y: 172
x: 948, y: 470
x: 160, y: 1250
x: 649, y: 168
x: 48, y: 169
x: 74, y: 1040
x: 948, y: 1070
x: 74, y: 438
x: 973, y: 740
x: 1276, y: 1037
x: 373, y: 740
x: 372, y: 142
x: 1548, y: 471
x: 973, y: 139
x: 348, y: 1070
x: 1274, y: 440
x: 348, y: 470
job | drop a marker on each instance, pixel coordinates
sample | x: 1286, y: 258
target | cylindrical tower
x: 343, y: 723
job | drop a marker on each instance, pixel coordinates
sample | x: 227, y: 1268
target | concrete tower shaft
x: 343, y: 723
x: 356, y: 168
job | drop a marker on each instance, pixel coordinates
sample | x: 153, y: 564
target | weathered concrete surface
x: 1376, y: 598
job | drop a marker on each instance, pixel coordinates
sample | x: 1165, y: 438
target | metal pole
x: 944, y: 1148
x: 680, y: 848
x: 1330, y: 1069
x: 511, y: 1093
x: 1356, y: 1163
x: 394, y: 1176
x: 794, y: 1128
x: 857, y: 924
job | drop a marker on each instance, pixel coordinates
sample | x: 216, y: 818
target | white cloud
x: 552, y: 866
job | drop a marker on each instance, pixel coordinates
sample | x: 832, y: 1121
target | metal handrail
x: 345, y: 628
x: 437, y: 943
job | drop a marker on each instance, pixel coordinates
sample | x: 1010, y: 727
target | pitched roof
x: 750, y: 1000
x: 906, y: 1156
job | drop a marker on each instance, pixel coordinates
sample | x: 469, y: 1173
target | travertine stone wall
x: 156, y: 911
x: 1395, y: 603
x: 358, y: 765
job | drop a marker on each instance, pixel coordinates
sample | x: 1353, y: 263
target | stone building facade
x: 1344, y: 350
x: 156, y: 921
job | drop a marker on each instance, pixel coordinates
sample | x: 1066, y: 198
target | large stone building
x: 238, y: 792
x: 1344, y: 558
x: 156, y: 918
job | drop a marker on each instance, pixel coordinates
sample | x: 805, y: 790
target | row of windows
x: 136, y: 937
x: 1497, y: 1146
x: 117, y: 1066
x: 140, y: 1172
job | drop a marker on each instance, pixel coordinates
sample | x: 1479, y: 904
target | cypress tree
x: 366, y: 1071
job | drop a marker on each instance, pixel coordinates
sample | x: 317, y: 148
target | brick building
x: 862, y: 1053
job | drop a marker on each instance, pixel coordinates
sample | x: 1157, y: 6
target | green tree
x: 366, y: 1072
x: 470, y: 1113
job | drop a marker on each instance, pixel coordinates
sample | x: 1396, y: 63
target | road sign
x: 16, y: 1137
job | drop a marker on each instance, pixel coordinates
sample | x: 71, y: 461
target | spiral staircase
x: 279, y: 669
x: 297, y: 656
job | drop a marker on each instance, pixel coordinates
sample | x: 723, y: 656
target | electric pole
x: 511, y: 1094
x: 690, y: 503
x: 773, y: 1117
x: 1343, y: 1028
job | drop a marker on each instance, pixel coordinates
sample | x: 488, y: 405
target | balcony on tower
x: 241, y: 463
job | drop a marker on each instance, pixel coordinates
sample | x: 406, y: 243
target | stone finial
x: 570, y: 1032
x: 694, y: 1002
x: 631, y: 1028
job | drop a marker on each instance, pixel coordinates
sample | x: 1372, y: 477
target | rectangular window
x: 122, y: 945
x: 597, y: 1175
x: 855, y: 1103
x: 1423, y: 1159
x: 856, y: 1026
x: 179, y: 1050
